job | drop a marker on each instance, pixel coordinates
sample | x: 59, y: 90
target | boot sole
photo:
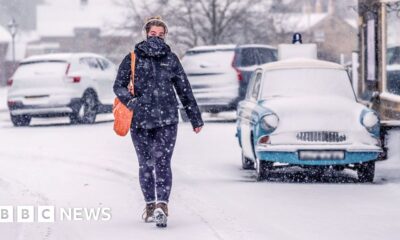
x: 160, y: 218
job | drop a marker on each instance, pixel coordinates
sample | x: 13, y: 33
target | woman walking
x: 154, y: 126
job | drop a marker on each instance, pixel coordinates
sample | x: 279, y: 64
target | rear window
x: 266, y: 55
x: 246, y: 57
x: 43, y: 67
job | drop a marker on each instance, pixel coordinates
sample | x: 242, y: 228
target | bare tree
x: 199, y: 22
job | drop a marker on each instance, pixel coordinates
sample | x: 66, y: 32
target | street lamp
x: 13, y: 27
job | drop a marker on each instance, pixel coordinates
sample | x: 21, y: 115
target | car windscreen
x: 305, y: 82
x: 42, y: 67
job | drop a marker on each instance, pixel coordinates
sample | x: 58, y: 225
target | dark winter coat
x: 158, y: 71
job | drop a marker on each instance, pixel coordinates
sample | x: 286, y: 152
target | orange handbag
x: 123, y: 115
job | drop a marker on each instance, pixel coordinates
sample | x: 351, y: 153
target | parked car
x: 303, y: 112
x: 393, y: 70
x: 219, y: 74
x: 78, y: 85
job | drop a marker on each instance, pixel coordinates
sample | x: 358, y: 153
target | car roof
x: 58, y: 56
x: 256, y: 46
x: 214, y: 47
x: 229, y: 47
x: 296, y: 63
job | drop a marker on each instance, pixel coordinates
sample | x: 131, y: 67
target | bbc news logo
x: 49, y: 214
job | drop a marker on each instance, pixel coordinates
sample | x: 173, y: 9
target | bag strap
x: 133, y: 64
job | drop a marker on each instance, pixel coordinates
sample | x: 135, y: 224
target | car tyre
x: 366, y: 172
x: 262, y: 169
x: 247, y: 163
x: 87, y: 111
x: 21, y: 120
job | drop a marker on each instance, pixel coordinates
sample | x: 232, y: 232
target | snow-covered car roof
x: 255, y: 46
x: 229, y: 47
x: 214, y: 47
x: 301, y: 63
x: 57, y: 56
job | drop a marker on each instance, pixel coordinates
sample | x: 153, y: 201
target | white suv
x: 78, y: 85
x: 219, y: 74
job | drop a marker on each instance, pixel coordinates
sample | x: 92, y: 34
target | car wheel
x: 21, y: 120
x: 366, y: 172
x: 184, y: 116
x: 262, y: 169
x: 87, y: 111
x: 247, y: 163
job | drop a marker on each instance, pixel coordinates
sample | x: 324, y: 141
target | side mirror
x: 375, y: 97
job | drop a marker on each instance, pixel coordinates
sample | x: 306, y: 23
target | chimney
x: 331, y: 7
x: 307, y: 8
x: 318, y: 6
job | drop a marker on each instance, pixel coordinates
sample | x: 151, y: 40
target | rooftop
x: 59, y: 18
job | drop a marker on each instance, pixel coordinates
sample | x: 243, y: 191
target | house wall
x: 113, y: 48
x: 339, y: 38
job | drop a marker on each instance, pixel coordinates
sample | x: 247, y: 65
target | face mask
x: 154, y: 38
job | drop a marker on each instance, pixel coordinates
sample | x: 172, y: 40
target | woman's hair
x: 155, y: 21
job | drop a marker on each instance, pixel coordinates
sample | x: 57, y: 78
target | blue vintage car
x: 301, y: 111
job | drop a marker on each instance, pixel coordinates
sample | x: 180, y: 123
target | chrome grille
x: 321, y: 136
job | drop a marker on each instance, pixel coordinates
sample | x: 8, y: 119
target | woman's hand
x: 197, y: 130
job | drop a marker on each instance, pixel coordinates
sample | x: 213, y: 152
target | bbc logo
x: 26, y: 214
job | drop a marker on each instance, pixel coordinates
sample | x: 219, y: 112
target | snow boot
x: 161, y: 214
x: 148, y: 212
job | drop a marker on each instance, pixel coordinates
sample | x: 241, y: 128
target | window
x: 256, y: 86
x: 250, y: 85
x: 90, y: 62
x: 104, y: 63
x: 266, y: 55
x: 247, y: 57
x: 393, y: 53
x: 306, y: 82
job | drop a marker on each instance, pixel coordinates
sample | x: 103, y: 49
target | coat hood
x: 152, y: 47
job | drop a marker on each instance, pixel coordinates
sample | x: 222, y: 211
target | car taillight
x: 263, y: 140
x: 238, y: 72
x: 9, y: 82
x: 75, y: 79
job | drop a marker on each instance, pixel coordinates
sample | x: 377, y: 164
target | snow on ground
x: 54, y: 163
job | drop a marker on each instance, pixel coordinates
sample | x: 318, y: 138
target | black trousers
x: 154, y: 148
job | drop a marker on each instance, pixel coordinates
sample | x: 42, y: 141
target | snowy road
x: 52, y: 163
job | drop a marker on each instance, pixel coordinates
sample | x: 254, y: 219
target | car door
x: 245, y: 112
x: 93, y: 71
x: 106, y: 80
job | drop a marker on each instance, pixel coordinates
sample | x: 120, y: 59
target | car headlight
x: 270, y: 122
x: 370, y: 120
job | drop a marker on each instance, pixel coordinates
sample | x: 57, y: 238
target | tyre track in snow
x: 203, y: 183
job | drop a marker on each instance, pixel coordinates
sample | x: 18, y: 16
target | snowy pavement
x: 54, y: 163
